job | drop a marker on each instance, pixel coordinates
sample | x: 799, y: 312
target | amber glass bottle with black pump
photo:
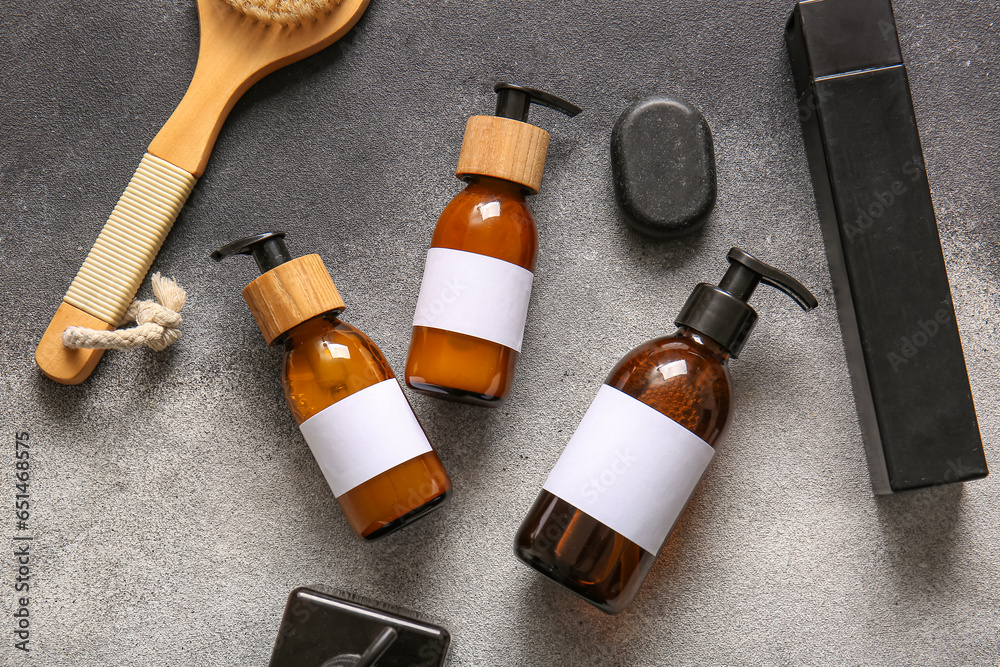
x: 342, y: 393
x: 473, y: 301
x: 626, y: 475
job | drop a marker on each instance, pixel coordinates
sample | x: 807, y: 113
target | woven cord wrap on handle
x: 117, y: 264
x: 158, y: 323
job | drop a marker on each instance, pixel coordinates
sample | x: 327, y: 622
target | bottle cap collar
x: 289, y: 291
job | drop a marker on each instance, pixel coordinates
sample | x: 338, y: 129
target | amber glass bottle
x: 685, y: 377
x: 327, y: 360
x: 339, y: 386
x: 613, y: 497
x: 490, y: 217
x: 473, y: 301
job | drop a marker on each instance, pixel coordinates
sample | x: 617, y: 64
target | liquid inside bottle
x: 327, y: 360
x: 490, y: 217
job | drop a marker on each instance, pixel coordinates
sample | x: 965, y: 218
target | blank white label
x: 361, y: 436
x: 474, y: 295
x: 630, y: 467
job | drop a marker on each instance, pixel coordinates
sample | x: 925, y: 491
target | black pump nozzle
x: 722, y: 312
x: 268, y: 250
x: 515, y: 102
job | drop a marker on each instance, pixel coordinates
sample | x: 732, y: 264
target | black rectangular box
x: 893, y: 299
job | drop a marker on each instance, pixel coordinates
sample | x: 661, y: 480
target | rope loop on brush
x: 157, y: 322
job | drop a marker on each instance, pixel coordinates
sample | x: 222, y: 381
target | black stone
x: 663, y: 164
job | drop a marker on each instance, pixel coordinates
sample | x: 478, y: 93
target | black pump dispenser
x: 722, y: 312
x: 268, y: 250
x: 515, y: 102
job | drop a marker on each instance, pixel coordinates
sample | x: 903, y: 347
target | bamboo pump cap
x: 505, y: 145
x: 289, y: 291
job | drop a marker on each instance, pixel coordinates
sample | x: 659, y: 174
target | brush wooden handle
x: 57, y: 361
x: 116, y: 265
x: 131, y: 238
x: 235, y: 53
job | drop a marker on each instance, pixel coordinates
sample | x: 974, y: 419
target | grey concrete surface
x: 174, y: 503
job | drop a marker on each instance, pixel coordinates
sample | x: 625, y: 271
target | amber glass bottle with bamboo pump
x: 473, y: 300
x: 341, y: 391
x: 626, y: 475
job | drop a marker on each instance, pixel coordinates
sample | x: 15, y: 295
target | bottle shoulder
x: 328, y: 361
x: 681, y: 379
x: 493, y: 221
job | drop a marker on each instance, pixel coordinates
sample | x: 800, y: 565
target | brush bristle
x: 285, y: 12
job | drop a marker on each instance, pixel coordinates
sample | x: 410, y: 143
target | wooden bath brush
x: 241, y: 42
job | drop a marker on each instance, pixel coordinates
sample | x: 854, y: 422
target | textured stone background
x: 176, y: 505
